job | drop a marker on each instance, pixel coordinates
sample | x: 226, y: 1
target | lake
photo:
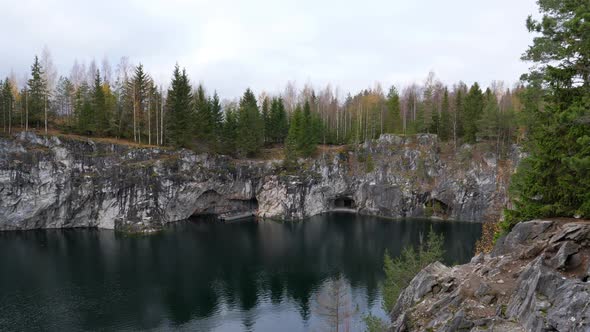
x: 205, y: 275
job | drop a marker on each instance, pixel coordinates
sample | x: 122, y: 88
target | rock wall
x: 537, y: 278
x: 54, y: 182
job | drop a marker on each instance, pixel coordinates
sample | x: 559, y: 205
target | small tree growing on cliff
x: 400, y: 271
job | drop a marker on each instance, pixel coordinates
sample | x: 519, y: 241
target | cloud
x: 231, y: 45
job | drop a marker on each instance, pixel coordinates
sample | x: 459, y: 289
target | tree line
x: 130, y: 105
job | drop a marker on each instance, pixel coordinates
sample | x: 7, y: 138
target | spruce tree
x: 306, y: 141
x: 37, y: 94
x: 250, y: 126
x: 279, y: 126
x: 179, y: 110
x: 266, y: 120
x: 472, y: 111
x: 203, y: 123
x: 230, y: 131
x: 554, y: 179
x: 216, y: 117
x: 446, y: 126
x: 294, y: 138
x: 101, y: 116
x: 393, y: 123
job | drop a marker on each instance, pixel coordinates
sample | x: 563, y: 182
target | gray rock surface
x: 54, y: 182
x: 507, y: 290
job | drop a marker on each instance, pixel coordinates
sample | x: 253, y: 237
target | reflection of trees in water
x: 334, y: 306
x: 187, y: 271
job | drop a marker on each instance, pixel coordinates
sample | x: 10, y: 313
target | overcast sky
x: 231, y: 45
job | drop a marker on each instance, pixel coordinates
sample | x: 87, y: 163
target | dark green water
x: 203, y: 275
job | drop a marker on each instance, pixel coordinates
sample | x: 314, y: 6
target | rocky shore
x: 537, y: 278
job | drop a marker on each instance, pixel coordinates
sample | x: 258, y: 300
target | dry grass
x: 486, y: 243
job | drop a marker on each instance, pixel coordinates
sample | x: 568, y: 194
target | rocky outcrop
x: 537, y: 278
x: 53, y: 182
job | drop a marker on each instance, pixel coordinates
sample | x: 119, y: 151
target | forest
x: 128, y: 104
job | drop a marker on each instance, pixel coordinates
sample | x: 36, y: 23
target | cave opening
x: 343, y: 202
x: 435, y: 207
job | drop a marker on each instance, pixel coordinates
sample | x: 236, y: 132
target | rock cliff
x: 53, y: 182
x: 537, y: 278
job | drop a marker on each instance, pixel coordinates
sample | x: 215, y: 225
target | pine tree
x: 179, y: 110
x: 554, y: 179
x: 250, y: 126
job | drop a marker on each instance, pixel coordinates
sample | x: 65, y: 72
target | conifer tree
x: 37, y: 94
x: 101, y: 116
x: 266, y: 119
x: 445, y: 118
x: 250, y: 126
x: 393, y: 118
x: 230, y: 131
x: 306, y: 143
x: 279, y: 126
x: 554, y: 179
x: 472, y: 111
x: 179, y: 110
x: 294, y: 138
x: 216, y: 117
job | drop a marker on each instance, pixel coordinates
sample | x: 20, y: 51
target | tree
x: 99, y: 104
x: 393, y: 122
x: 250, y: 126
x: 401, y: 270
x: 554, y: 179
x: 216, y: 117
x: 65, y: 99
x: 203, y: 121
x: 179, y: 110
x: 7, y: 102
x: 279, y: 126
x: 37, y: 94
x: 293, y: 141
x: 139, y: 86
x: 229, y: 130
x: 334, y: 305
x: 472, y: 111
x: 308, y: 138
x: 445, y: 118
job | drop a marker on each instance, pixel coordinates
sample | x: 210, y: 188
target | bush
x: 400, y: 271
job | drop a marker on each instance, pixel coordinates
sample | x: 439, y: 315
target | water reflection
x: 203, y: 275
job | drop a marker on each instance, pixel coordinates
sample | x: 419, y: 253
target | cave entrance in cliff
x: 343, y: 203
x: 435, y: 207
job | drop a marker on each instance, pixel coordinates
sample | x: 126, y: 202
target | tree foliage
x: 554, y: 179
x: 400, y: 271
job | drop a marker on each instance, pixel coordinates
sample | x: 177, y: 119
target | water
x: 203, y: 275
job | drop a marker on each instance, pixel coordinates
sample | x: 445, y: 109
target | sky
x: 231, y: 45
